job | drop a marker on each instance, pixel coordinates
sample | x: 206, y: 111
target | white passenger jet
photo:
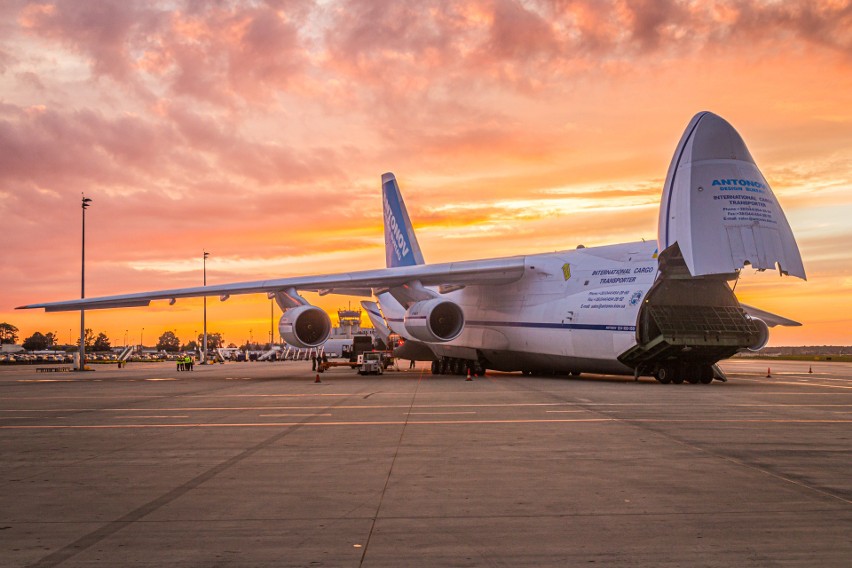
x: 664, y: 308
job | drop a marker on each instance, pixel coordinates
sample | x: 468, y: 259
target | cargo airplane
x: 663, y: 308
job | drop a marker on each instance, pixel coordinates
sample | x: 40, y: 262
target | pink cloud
x: 259, y: 129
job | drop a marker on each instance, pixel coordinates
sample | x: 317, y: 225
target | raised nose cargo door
x: 718, y: 207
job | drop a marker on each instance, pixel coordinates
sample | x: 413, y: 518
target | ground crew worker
x: 180, y: 363
x: 313, y: 362
x: 189, y: 362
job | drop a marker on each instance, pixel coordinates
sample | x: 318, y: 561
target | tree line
x: 39, y: 341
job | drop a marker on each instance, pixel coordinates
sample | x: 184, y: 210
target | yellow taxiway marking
x: 587, y: 407
x: 276, y: 415
x: 154, y: 416
x: 427, y: 423
x: 798, y: 383
x: 439, y: 413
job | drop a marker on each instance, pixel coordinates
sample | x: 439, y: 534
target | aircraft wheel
x: 575, y: 373
x: 664, y: 374
x: 706, y: 375
x: 527, y: 373
x: 677, y: 378
x: 436, y: 367
x: 692, y: 375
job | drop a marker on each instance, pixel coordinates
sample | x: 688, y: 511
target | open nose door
x: 718, y: 207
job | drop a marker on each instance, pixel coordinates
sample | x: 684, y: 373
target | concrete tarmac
x: 255, y: 464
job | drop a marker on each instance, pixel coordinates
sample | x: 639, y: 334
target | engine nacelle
x: 763, y: 337
x: 305, y: 326
x: 434, y: 321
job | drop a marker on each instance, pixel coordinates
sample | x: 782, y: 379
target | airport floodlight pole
x: 141, y: 333
x: 86, y: 202
x: 204, y: 341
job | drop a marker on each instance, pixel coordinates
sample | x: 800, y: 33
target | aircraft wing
x: 768, y: 317
x: 475, y: 272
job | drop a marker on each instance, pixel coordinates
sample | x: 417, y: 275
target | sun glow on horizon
x: 260, y: 133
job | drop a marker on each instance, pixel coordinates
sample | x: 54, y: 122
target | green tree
x: 8, y: 333
x: 36, y: 342
x: 168, y: 342
x: 101, y: 343
x: 90, y: 339
x: 191, y: 346
x: 214, y: 340
x: 51, y: 340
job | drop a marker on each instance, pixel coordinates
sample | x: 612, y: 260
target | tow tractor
x: 374, y: 362
x: 367, y: 363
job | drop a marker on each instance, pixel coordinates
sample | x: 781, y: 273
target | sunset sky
x: 258, y: 131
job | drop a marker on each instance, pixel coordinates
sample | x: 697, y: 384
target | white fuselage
x: 572, y: 310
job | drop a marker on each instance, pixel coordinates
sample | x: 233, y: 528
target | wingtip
x: 388, y: 176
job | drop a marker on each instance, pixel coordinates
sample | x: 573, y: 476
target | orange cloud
x: 259, y: 131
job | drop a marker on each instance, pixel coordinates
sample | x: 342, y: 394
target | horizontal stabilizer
x: 768, y: 317
x: 719, y: 208
x: 377, y: 319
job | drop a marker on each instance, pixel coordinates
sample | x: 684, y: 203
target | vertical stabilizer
x: 401, y: 247
x: 718, y: 207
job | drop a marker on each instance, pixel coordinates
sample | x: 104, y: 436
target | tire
x: 706, y: 375
x: 664, y: 374
x: 436, y: 367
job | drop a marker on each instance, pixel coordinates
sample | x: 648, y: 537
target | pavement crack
x: 390, y: 470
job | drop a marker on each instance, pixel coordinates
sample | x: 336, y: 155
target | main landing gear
x: 455, y: 366
x: 677, y: 373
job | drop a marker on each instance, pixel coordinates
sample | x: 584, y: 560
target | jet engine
x: 434, y: 321
x: 304, y: 326
x: 763, y: 334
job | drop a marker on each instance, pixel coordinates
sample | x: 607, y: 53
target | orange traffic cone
x: 768, y: 373
x: 317, y: 380
x: 468, y: 375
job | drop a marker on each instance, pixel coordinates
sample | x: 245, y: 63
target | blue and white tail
x: 401, y: 247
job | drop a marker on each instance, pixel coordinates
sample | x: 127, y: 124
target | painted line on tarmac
x: 602, y: 405
x: 426, y: 423
x: 798, y: 384
x: 153, y: 416
x: 439, y: 413
x: 348, y: 407
x: 280, y: 415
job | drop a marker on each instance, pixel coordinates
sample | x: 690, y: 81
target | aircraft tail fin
x: 401, y: 246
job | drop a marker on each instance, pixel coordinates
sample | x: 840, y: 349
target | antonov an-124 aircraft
x: 661, y: 308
